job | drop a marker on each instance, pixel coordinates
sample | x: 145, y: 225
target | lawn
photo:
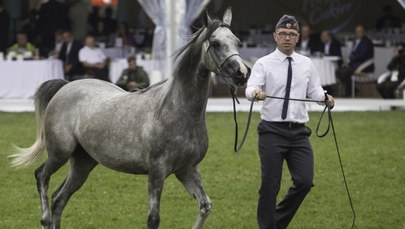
x: 371, y: 150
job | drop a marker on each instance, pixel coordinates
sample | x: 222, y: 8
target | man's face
x: 67, y: 37
x: 360, y: 31
x: 90, y: 42
x: 132, y: 65
x: 325, y: 37
x: 286, y: 40
x: 305, y: 31
x: 21, y: 39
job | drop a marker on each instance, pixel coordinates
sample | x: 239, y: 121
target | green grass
x: 372, y: 151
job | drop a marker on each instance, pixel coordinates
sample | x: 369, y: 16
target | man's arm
x: 144, y: 83
x: 256, y: 82
x: 122, y: 81
x: 315, y: 90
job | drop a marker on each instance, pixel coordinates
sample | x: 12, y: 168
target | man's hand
x: 132, y: 85
x: 330, y: 102
x: 259, y: 94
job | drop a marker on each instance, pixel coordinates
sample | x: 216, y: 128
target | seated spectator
x: 69, y: 54
x: 387, y: 88
x: 58, y: 44
x: 330, y: 46
x: 134, y: 77
x: 93, y: 59
x: 22, y: 45
x: 124, y: 34
x: 362, y: 51
x: 308, y: 43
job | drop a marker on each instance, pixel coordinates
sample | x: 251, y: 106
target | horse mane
x: 188, y: 56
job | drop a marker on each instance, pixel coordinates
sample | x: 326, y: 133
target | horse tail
x: 22, y: 157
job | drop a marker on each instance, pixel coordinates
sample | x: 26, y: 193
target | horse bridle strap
x: 219, y: 66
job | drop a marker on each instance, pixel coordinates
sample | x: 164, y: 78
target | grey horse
x: 157, y: 131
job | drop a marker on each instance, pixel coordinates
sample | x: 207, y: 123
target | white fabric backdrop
x: 156, y: 10
x: 172, y: 26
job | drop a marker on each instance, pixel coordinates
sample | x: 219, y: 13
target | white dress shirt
x: 304, y: 43
x: 269, y: 74
x: 91, y: 55
x: 327, y: 47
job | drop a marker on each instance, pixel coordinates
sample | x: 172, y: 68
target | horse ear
x: 227, y: 18
x: 206, y: 19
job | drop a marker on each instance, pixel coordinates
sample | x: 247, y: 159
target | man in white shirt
x: 93, y: 59
x: 282, y: 131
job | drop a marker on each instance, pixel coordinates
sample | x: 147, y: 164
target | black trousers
x: 279, y: 142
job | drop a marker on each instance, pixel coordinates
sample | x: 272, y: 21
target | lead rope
x: 237, y: 147
x: 331, y: 125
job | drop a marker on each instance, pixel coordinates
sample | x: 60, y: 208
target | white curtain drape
x: 193, y: 9
x: 156, y: 10
x: 402, y: 2
x: 172, y: 21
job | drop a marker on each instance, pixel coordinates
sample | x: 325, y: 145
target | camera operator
x: 397, y: 64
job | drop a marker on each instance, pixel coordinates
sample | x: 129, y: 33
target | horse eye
x: 215, y: 44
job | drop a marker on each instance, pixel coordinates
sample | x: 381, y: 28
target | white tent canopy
x: 172, y: 21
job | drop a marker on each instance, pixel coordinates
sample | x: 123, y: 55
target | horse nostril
x: 239, y: 72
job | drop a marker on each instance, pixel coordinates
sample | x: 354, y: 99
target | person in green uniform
x: 133, y: 77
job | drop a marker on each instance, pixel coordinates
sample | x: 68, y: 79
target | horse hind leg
x: 191, y: 180
x: 43, y: 174
x: 81, y: 164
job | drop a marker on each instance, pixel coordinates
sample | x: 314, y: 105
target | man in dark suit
x: 308, y: 43
x: 330, y: 45
x: 362, y: 51
x: 69, y: 54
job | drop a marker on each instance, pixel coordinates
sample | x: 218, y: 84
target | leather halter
x: 218, y: 60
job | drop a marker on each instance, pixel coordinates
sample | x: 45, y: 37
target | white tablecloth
x: 20, y: 79
x: 117, y: 53
x: 326, y: 68
x: 118, y: 65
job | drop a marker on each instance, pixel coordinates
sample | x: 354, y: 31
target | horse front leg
x: 191, y: 180
x: 155, y: 188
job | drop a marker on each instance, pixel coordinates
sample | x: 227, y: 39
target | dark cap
x: 288, y: 22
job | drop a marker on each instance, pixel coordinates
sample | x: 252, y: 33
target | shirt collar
x: 282, y: 57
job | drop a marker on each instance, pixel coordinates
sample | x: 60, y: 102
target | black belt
x: 290, y: 124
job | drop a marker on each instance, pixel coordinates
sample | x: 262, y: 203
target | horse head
x: 220, y: 50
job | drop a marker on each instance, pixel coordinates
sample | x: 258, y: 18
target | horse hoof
x: 46, y: 224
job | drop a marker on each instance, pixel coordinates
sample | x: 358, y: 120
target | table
x: 20, y: 79
x: 326, y: 68
x: 117, y: 52
x: 118, y: 65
